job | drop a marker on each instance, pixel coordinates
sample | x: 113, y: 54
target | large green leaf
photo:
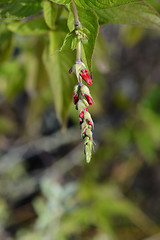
x: 102, y: 4
x: 50, y: 13
x: 154, y: 3
x: 61, y: 1
x: 57, y: 64
x: 89, y: 21
x: 19, y: 8
x: 36, y: 26
x: 5, y: 43
x: 139, y: 14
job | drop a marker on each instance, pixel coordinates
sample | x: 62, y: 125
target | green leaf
x: 89, y: 21
x: 5, y: 42
x: 36, y: 26
x: 69, y: 42
x: 12, y: 78
x: 154, y: 3
x: 102, y: 4
x: 61, y: 1
x: 139, y: 14
x: 19, y: 9
x: 50, y: 13
x: 74, y: 43
x: 90, y: 26
x: 62, y: 83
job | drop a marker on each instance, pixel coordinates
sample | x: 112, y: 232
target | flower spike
x: 81, y: 94
x: 83, y: 99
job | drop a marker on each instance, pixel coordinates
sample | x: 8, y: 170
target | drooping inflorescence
x: 81, y: 94
x: 82, y: 99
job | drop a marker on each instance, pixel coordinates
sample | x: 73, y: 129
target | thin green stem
x: 77, y: 26
x: 78, y: 55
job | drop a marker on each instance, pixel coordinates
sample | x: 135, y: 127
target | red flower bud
x: 80, y: 121
x: 84, y: 70
x: 81, y: 115
x: 89, y: 122
x: 70, y: 71
x: 82, y: 94
x: 84, y: 131
x: 89, y: 100
x: 86, y: 78
x: 75, y: 97
x: 86, y: 109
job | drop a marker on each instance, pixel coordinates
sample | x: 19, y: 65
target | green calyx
x: 85, y: 90
x: 88, y: 148
x: 89, y: 133
x: 81, y: 105
x: 87, y: 116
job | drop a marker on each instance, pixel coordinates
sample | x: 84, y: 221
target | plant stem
x: 78, y: 55
x: 75, y: 14
x: 77, y: 26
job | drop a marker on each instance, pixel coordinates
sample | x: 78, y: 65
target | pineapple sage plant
x: 66, y: 32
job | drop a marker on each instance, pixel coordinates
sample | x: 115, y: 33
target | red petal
x: 89, y: 122
x: 84, y: 70
x: 81, y: 115
x: 86, y: 78
x: 75, y: 97
x: 89, y: 100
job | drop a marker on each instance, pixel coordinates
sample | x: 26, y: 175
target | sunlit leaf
x: 61, y: 1
x: 50, y: 13
x: 33, y: 27
x: 57, y: 64
x: 102, y: 4
x: 139, y: 14
x: 19, y: 9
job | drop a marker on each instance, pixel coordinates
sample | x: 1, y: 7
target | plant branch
x: 75, y: 14
x: 77, y: 26
x: 78, y: 54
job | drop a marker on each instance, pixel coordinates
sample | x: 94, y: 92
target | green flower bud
x: 84, y: 40
x: 84, y: 126
x: 88, y: 133
x: 88, y: 149
x: 85, y: 90
x: 87, y: 116
x: 80, y: 105
x: 75, y: 90
x: 85, y: 103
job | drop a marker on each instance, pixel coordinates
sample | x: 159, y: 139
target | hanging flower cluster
x: 83, y: 99
x: 81, y: 94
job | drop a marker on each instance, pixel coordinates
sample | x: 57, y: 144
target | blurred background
x: 47, y: 191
